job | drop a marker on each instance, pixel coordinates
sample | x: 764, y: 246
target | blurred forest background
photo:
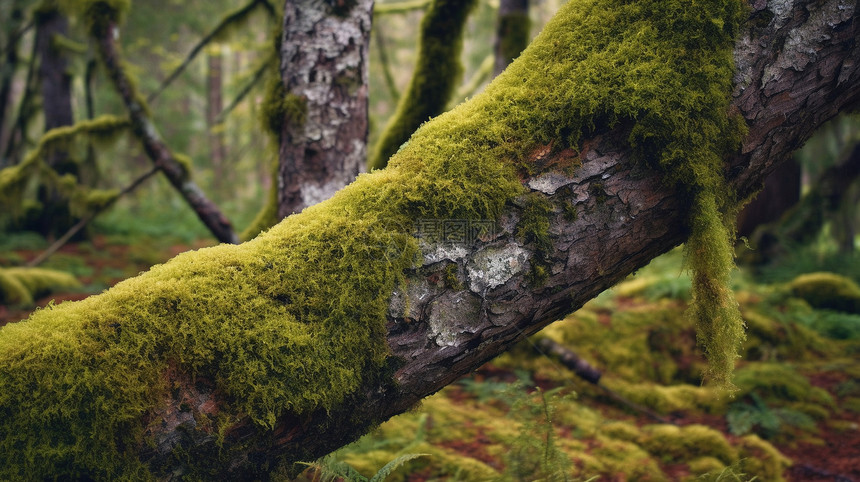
x: 637, y: 411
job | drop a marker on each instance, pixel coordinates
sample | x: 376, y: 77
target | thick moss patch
x: 827, y: 291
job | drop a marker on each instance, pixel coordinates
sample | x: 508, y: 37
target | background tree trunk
x: 324, y: 54
x: 781, y: 191
x: 512, y: 32
x: 214, y: 106
x: 56, y: 85
x: 12, y: 26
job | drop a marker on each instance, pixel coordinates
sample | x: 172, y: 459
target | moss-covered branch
x: 101, y: 17
x: 225, y: 362
x: 228, y: 24
x: 436, y: 75
x: 400, y: 7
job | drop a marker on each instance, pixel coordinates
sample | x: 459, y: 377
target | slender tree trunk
x: 154, y: 145
x: 56, y: 86
x: 214, y: 106
x: 469, y: 295
x: 512, y: 32
x: 324, y: 57
x: 12, y: 34
x: 781, y: 191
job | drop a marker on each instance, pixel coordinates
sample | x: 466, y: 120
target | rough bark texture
x: 797, y: 67
x: 324, y: 55
x: 154, y: 145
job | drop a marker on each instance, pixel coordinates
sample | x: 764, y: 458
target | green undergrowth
x: 522, y: 434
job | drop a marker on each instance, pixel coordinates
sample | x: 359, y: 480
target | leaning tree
x: 625, y: 129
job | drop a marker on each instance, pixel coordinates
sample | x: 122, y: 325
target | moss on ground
x: 827, y: 291
x: 20, y: 286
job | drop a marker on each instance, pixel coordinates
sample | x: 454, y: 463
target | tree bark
x: 797, y: 66
x: 324, y: 58
x: 154, y: 145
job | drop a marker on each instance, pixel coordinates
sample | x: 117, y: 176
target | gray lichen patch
x: 452, y: 316
x: 550, y: 182
x: 493, y: 267
x: 434, y: 252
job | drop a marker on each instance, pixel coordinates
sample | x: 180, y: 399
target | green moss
x: 688, y: 442
x: 827, y: 291
x: 706, y: 465
x: 434, y: 80
x: 452, y: 280
x: 513, y: 31
x: 762, y: 459
x: 571, y: 214
x: 281, y: 107
x: 533, y: 229
x: 185, y: 162
x: 294, y: 320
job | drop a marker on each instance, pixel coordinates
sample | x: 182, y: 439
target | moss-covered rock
x: 827, y: 291
x: 20, y: 286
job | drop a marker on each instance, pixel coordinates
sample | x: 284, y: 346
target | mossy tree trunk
x: 236, y: 359
x: 55, y: 80
x: 105, y: 33
x: 12, y: 23
x: 512, y: 32
x: 323, y: 137
x: 437, y: 72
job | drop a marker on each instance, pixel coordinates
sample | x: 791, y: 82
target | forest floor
x: 524, y: 416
